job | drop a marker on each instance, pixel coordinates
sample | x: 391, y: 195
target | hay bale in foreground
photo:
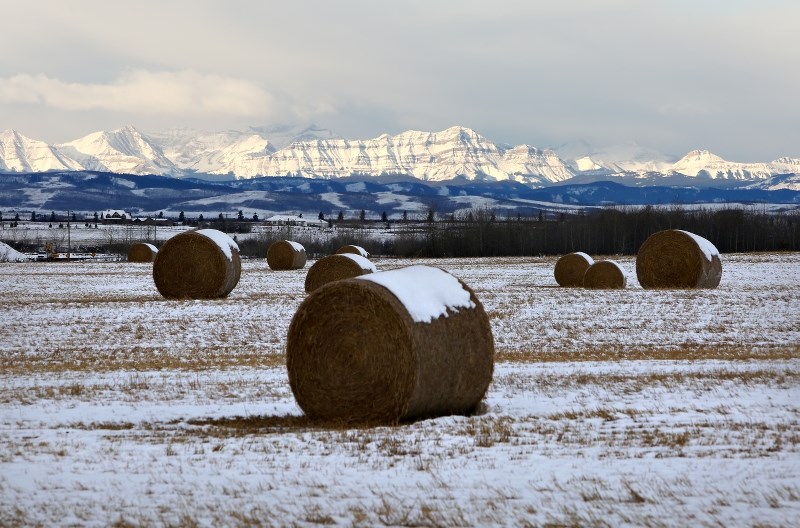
x: 356, y: 250
x: 286, y: 255
x: 142, y: 252
x: 390, y: 346
x: 202, y: 264
x: 678, y: 259
x: 571, y: 268
x: 337, y: 267
x: 605, y: 274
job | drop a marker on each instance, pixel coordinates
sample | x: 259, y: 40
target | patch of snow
x: 225, y: 243
x: 589, y: 259
x: 708, y: 249
x: 297, y: 246
x: 152, y: 247
x: 426, y: 292
x: 363, y: 262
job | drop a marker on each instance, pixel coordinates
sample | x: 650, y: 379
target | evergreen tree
x: 241, y: 215
x: 16, y: 217
x: 362, y: 215
x: 341, y: 215
x: 431, y: 215
x: 384, y: 218
x: 405, y: 216
x: 321, y: 216
x: 221, y: 218
x: 255, y: 217
x: 33, y: 216
x: 52, y: 216
x: 200, y: 218
x: 181, y: 217
x: 161, y: 214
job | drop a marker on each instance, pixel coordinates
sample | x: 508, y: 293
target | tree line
x: 610, y: 231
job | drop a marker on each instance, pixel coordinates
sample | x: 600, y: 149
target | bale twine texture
x: 202, y: 264
x: 357, y: 353
x: 337, y: 267
x: 678, y: 259
x: 605, y: 274
x: 142, y: 253
x: 571, y: 268
x: 286, y: 255
x: 356, y: 250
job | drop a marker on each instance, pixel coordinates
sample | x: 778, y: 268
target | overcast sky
x: 673, y: 75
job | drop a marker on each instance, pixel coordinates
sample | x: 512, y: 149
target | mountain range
x: 455, y: 154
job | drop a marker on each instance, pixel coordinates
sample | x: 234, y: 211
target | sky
x: 666, y: 75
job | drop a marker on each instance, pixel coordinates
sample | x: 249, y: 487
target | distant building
x: 292, y: 220
x: 114, y: 215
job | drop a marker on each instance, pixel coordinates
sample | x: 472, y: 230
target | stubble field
x: 607, y: 408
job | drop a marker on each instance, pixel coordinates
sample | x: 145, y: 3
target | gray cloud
x: 674, y: 75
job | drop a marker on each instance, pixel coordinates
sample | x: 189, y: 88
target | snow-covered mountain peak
x: 20, y: 153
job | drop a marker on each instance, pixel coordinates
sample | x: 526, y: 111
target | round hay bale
x: 142, y: 252
x: 337, y: 267
x: 571, y: 268
x: 286, y: 255
x: 605, y: 274
x: 356, y: 250
x: 202, y: 264
x: 391, y: 346
x: 678, y: 259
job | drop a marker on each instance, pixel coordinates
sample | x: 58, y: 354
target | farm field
x: 607, y: 408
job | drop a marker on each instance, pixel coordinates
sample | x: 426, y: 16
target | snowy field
x: 607, y: 408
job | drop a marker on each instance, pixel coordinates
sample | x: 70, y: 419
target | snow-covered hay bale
x: 605, y: 274
x: 202, y: 264
x: 337, y: 267
x: 356, y: 250
x: 9, y: 254
x: 570, y: 269
x: 678, y: 259
x: 391, y: 346
x: 142, y: 252
x: 286, y: 255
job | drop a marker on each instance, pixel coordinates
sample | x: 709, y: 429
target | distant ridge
x: 456, y: 153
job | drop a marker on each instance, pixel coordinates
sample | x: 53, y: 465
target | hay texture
x: 571, y: 268
x: 678, y: 259
x: 605, y: 274
x: 286, y: 255
x: 337, y: 267
x: 355, y: 250
x: 142, y: 253
x: 201, y: 264
x: 391, y: 346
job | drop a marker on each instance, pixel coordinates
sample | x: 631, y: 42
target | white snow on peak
x: 363, y: 262
x: 225, y: 243
x: 22, y: 154
x: 708, y: 249
x: 426, y: 292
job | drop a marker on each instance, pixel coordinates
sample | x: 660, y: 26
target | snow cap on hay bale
x: 286, y: 255
x: 678, y: 259
x: 356, y: 250
x: 391, y: 346
x: 202, y: 264
x: 570, y: 269
x: 142, y: 252
x: 605, y: 274
x: 337, y: 267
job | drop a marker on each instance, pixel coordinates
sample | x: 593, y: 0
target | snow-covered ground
x: 631, y: 407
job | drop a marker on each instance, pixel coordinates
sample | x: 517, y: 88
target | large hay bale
x: 605, y: 274
x: 142, y: 252
x: 571, y: 268
x: 678, y: 259
x: 286, y: 255
x: 202, y: 264
x: 390, y: 346
x: 337, y: 267
x: 355, y: 250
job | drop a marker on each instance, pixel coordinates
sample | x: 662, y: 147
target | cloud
x: 182, y: 93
